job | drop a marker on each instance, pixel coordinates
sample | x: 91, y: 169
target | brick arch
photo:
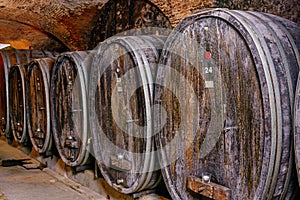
x: 69, y: 23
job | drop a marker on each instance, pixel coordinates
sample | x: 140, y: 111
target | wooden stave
x: 297, y: 129
x: 181, y: 27
x: 82, y: 61
x: 44, y: 66
x: 149, y: 180
x: 11, y: 58
x: 284, y: 160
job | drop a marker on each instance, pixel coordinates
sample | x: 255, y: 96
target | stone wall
x: 66, y: 24
x: 176, y: 10
x: 289, y: 9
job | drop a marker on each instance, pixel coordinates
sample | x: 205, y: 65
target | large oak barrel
x: 297, y: 127
x: 38, y: 103
x: 68, y: 99
x: 4, y: 119
x: 17, y: 77
x: 121, y: 96
x: 225, y: 88
x: 10, y: 58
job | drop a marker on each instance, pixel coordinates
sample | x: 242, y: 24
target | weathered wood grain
x: 10, y: 58
x: 120, y: 107
x: 17, y: 78
x: 297, y: 129
x: 236, y: 122
x: 68, y: 100
x: 38, y: 104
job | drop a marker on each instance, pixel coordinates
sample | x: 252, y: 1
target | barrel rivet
x: 70, y: 137
x: 118, y: 69
x: 120, y: 156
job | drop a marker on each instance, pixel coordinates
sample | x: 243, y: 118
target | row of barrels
x: 8, y: 59
x: 214, y: 107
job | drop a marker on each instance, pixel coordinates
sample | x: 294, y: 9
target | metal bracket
x: 210, y: 190
x: 19, y: 127
x: 39, y: 134
x: 71, y: 143
x: 2, y: 121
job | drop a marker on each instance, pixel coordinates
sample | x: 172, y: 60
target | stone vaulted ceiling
x: 63, y: 25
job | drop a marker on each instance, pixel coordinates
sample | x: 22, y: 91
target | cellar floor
x: 25, y: 175
x: 24, y: 178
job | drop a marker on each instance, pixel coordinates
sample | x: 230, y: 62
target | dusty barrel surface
x: 38, y: 103
x: 10, y: 58
x: 121, y: 96
x: 68, y: 99
x: 4, y: 114
x: 226, y: 90
x: 297, y: 128
x: 17, y: 110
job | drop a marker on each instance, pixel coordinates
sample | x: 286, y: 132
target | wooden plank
x: 210, y: 190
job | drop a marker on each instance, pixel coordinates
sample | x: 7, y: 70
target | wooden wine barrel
x: 297, y: 128
x: 121, y: 96
x: 68, y: 99
x: 226, y: 93
x: 10, y: 58
x: 38, y: 104
x: 4, y: 126
x: 17, y: 77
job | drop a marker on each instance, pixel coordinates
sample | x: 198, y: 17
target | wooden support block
x: 210, y: 190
